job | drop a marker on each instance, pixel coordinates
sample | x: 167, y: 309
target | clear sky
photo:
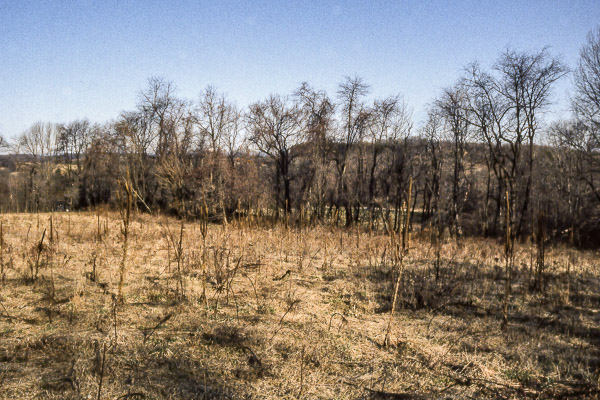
x: 63, y: 60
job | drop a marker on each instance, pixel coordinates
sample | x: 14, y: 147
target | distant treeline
x: 309, y: 156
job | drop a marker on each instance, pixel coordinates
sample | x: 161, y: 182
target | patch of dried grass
x: 290, y: 313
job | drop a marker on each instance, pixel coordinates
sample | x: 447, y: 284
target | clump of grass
x: 226, y: 334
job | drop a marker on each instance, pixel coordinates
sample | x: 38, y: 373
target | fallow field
x: 264, y: 311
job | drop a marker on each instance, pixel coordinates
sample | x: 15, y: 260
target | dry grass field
x: 252, y: 311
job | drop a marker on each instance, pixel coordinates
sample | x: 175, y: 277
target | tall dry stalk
x: 125, y: 210
x: 508, y: 256
x: 541, y: 239
x: 98, y: 232
x: 406, y: 236
x: 179, y: 259
x: 570, y: 257
x: 51, y: 238
x: 398, y: 254
x: 204, y: 232
x: 101, y: 371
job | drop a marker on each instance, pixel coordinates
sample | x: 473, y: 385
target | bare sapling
x: 541, y: 238
x: 98, y: 232
x: 398, y: 254
x: 204, y: 232
x: 51, y: 238
x: 178, y: 246
x: 508, y: 257
x: 437, y: 235
x: 570, y: 259
x: 49, y: 256
x: 286, y: 214
x: 224, y: 210
x: 102, y: 362
x: 114, y: 312
x: 126, y: 196
x: 168, y: 238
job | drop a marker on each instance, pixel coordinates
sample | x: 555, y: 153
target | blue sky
x: 63, y: 60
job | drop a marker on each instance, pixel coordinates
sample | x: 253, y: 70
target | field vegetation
x: 110, y: 305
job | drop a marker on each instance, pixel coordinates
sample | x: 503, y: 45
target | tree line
x: 485, y: 162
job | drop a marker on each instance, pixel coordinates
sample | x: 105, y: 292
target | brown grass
x: 287, y: 314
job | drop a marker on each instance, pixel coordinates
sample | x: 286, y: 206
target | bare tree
x: 275, y: 128
x: 215, y: 117
x: 389, y: 123
x: 452, y: 108
x: 586, y: 103
x: 584, y: 135
x: 73, y: 140
x: 148, y: 134
x: 354, y: 122
x: 318, y: 114
x: 101, y: 167
x: 526, y: 83
x: 219, y: 124
x: 234, y: 140
x: 432, y: 134
x: 160, y: 110
x: 175, y: 169
x: 135, y: 140
x: 505, y: 107
x: 39, y: 143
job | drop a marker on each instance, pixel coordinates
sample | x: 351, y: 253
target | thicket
x: 485, y: 149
